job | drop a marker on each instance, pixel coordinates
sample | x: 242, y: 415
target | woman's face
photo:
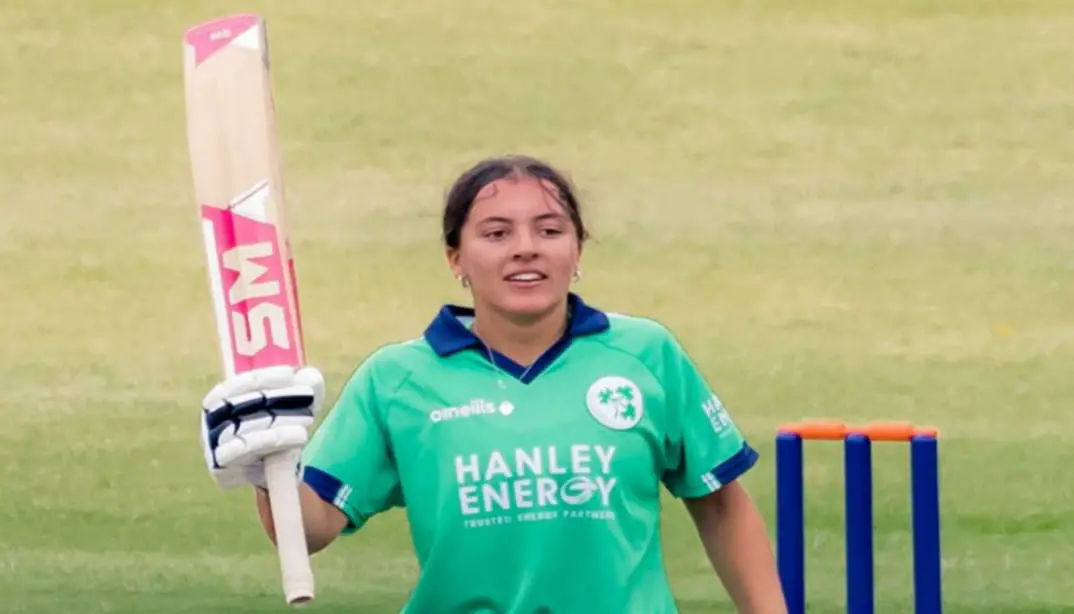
x: 518, y: 249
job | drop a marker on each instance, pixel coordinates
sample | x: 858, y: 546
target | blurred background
x: 856, y: 210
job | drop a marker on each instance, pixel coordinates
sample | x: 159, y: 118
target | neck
x: 523, y: 341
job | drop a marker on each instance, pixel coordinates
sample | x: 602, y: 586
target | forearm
x: 737, y: 544
x: 322, y: 522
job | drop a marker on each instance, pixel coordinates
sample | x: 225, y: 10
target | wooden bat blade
x: 239, y: 191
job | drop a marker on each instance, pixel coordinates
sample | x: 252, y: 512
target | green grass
x: 846, y: 209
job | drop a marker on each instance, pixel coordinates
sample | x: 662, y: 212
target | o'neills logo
x: 477, y: 407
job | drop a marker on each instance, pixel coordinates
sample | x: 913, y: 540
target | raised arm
x: 323, y: 521
x: 348, y: 474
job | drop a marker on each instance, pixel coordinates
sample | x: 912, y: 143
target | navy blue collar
x: 448, y: 334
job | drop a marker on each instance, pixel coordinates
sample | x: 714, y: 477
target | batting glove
x: 257, y: 414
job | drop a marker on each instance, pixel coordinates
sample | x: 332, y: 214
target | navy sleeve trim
x: 733, y: 468
x: 724, y: 473
x: 326, y: 486
x: 329, y: 489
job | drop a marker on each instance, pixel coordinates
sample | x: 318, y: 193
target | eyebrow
x: 541, y: 217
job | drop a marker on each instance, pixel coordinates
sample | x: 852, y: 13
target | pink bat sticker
x: 252, y: 293
x: 210, y: 37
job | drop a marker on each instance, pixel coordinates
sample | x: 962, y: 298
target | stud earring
x: 577, y: 274
x: 463, y: 280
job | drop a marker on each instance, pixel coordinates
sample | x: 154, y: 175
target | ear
x: 452, y: 257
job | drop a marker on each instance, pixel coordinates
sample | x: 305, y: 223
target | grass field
x: 854, y: 209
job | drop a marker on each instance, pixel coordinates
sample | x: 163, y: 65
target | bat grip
x: 290, y: 529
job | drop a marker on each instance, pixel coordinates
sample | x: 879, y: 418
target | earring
x: 463, y: 280
x: 577, y: 274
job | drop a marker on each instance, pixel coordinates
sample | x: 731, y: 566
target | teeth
x: 526, y: 277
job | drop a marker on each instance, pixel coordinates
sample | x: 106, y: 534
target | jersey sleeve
x: 705, y: 449
x: 348, y: 461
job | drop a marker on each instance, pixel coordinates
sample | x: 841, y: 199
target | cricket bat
x: 236, y: 166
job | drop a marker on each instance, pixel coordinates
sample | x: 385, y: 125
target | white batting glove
x: 257, y: 414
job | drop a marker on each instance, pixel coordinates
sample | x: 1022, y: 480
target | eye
x: 551, y: 232
x: 495, y: 234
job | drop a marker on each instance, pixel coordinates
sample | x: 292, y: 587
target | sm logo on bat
x: 249, y: 276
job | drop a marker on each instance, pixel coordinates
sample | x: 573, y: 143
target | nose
x: 525, y: 246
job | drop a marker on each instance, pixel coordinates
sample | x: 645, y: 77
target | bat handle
x: 290, y: 529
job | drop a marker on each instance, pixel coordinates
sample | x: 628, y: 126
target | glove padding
x: 257, y: 414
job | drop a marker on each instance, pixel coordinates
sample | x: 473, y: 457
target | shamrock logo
x: 615, y: 402
x: 621, y: 400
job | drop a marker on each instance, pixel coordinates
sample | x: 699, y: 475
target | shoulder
x: 402, y: 354
x: 646, y: 339
x: 635, y: 333
x: 392, y: 363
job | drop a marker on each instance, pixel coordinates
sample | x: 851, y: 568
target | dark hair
x: 460, y: 198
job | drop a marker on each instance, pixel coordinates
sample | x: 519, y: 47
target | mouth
x: 525, y: 279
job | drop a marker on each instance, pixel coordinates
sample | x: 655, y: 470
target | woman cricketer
x: 527, y: 437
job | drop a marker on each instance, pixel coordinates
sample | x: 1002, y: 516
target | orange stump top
x: 875, y: 431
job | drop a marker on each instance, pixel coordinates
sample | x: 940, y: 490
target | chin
x: 527, y: 305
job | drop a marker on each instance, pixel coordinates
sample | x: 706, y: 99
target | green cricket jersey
x: 529, y: 490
